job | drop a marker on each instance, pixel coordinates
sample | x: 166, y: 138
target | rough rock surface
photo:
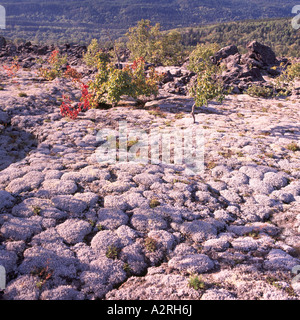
x: 73, y: 227
x: 254, y: 67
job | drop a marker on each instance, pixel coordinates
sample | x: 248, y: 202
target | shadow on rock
x: 14, y: 145
x: 288, y: 131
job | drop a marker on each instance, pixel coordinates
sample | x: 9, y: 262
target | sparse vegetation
x: 112, y: 252
x: 196, y: 282
x: 12, y: 68
x: 91, y: 222
x: 179, y: 116
x: 285, y: 82
x: 43, y: 274
x: 154, y: 203
x: 226, y: 153
x: 275, y: 282
x: 131, y: 143
x: 293, y: 146
x: 150, y: 244
x: 22, y: 95
x: 210, y: 165
x: 208, y: 85
x: 270, y: 155
x: 99, y: 226
x: 260, y: 91
x: 253, y: 234
x: 93, y: 54
x: 149, y: 42
x: 36, y: 210
x: 289, y: 73
x: 71, y: 189
x: 54, y: 66
x: 157, y: 113
x: 111, y: 83
x: 126, y: 268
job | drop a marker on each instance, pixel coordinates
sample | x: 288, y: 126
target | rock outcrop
x: 74, y: 226
x: 243, y: 69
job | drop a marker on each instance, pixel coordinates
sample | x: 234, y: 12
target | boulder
x: 238, y: 73
x: 42, y: 50
x: 232, y: 60
x: 225, y: 53
x: 261, y: 53
x: 241, y: 70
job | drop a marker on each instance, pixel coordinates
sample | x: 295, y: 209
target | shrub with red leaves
x: 12, y: 69
x: 72, y: 74
x: 71, y: 110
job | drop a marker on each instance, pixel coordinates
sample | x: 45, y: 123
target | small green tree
x: 111, y: 83
x: 288, y: 76
x: 92, y: 54
x: 170, y: 49
x: 149, y: 42
x: 54, y: 69
x: 208, y: 85
x: 200, y: 57
x: 293, y: 71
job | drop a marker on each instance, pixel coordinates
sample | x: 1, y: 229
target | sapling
x: 208, y: 85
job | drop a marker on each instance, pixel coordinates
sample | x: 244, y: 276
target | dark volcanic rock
x: 248, y: 67
x: 252, y: 74
x: 2, y: 42
x: 237, y: 73
x: 225, y: 53
x: 42, y: 50
x: 261, y: 53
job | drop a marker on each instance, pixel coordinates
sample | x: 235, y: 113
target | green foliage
x: 54, y: 68
x: 260, y: 91
x: 293, y: 71
x: 150, y: 244
x: 283, y: 84
x: 142, y: 40
x: 171, y: 49
x: 76, y: 21
x: 99, y: 226
x: 196, y: 283
x: 276, y: 33
x: 149, y: 42
x: 36, y: 210
x: 92, y: 54
x: 112, y: 252
x: 127, y: 268
x: 199, y: 59
x: 293, y: 146
x: 288, y: 75
x: 111, y: 83
x: 131, y: 143
x: 22, y: 94
x: 154, y: 203
x: 208, y: 85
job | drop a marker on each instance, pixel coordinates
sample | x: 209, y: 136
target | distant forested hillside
x: 276, y: 33
x: 80, y: 21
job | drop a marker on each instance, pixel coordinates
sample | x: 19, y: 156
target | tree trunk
x: 193, y: 112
